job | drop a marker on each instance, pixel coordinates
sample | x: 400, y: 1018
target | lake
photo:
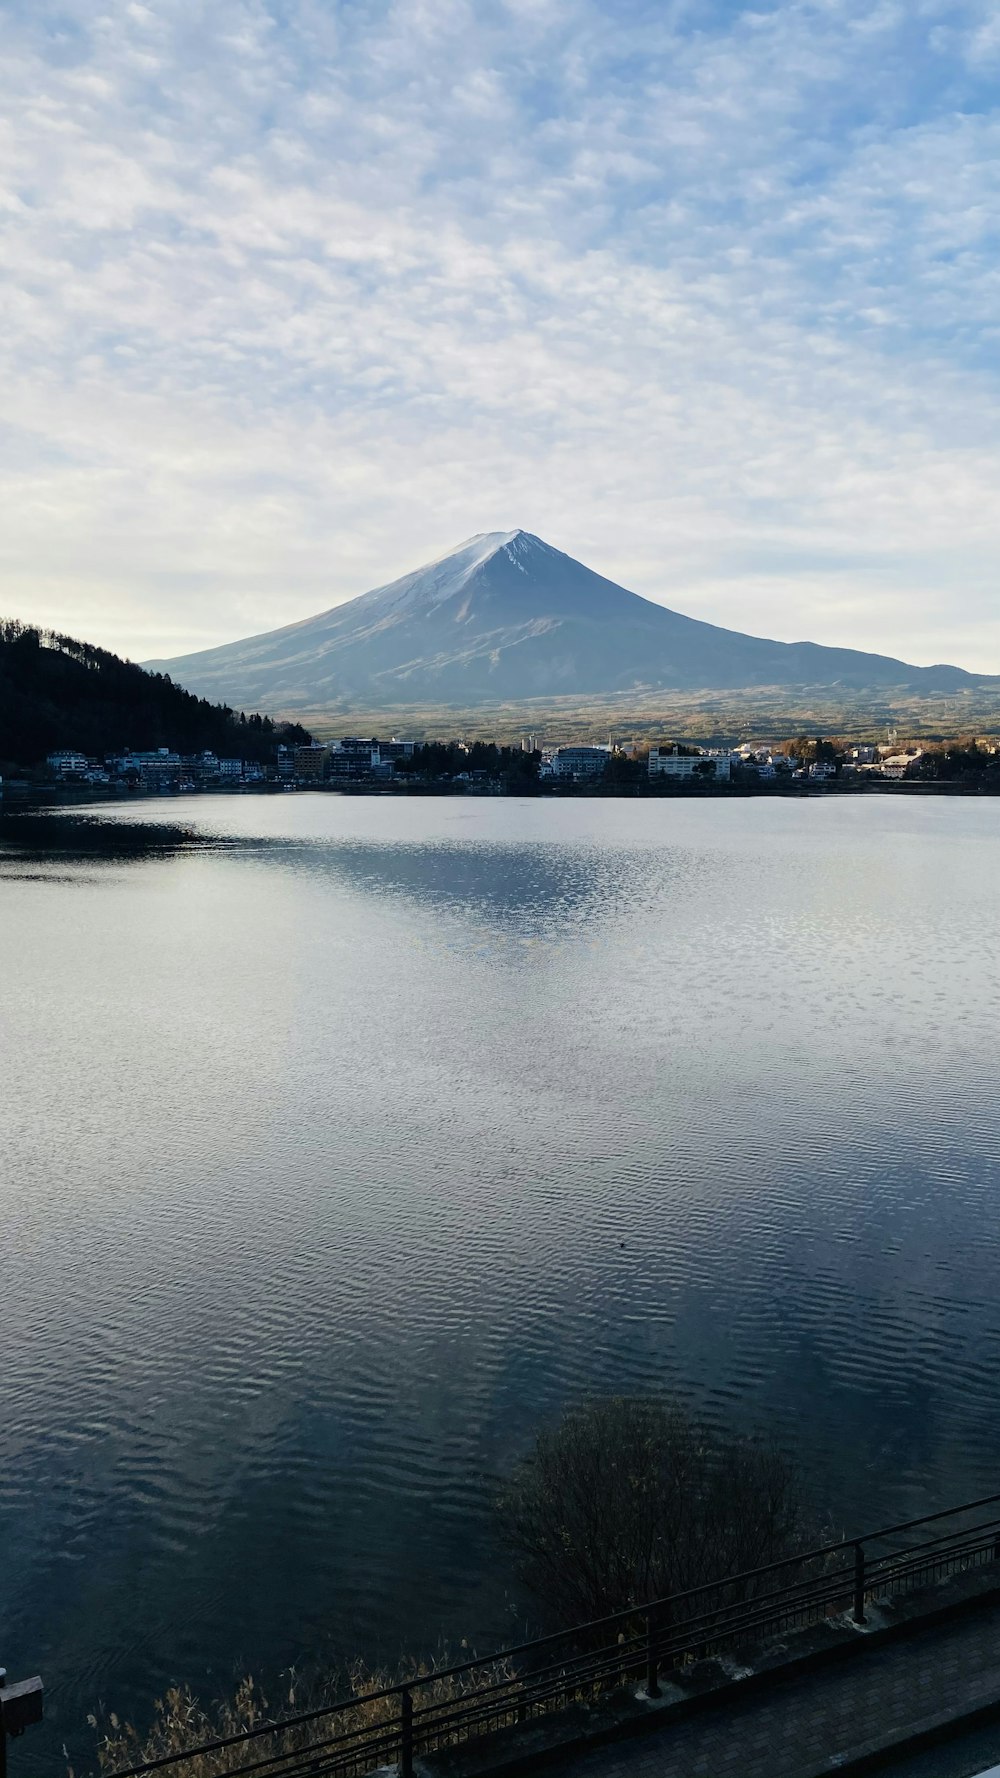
x: 345, y: 1140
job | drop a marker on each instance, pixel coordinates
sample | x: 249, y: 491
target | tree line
x: 961, y: 760
x: 480, y: 759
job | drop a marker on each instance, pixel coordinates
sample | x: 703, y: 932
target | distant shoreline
x: 17, y: 795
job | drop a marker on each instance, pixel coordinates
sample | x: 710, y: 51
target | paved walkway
x: 794, y: 1730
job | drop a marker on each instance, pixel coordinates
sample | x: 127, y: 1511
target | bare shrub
x: 634, y: 1499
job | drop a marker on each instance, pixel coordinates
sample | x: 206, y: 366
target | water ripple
x: 345, y: 1140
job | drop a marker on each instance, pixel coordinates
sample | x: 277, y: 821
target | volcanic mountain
x: 505, y: 617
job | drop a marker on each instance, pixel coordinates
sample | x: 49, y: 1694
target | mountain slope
x: 506, y: 617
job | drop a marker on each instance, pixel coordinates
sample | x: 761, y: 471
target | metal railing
x: 399, y: 1723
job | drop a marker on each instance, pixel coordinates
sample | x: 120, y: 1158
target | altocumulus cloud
x: 297, y: 295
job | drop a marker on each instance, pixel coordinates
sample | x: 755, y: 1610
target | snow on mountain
x: 507, y: 617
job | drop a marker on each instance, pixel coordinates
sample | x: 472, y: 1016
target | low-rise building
x: 122, y: 765
x: 898, y: 765
x: 200, y: 768
x: 206, y: 768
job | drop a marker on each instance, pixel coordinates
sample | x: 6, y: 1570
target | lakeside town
x: 616, y: 766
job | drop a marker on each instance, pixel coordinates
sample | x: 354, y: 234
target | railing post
x: 405, y: 1734
x: 652, y: 1659
x: 20, y: 1706
x: 859, y: 1584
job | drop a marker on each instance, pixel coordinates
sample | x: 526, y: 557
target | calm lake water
x: 345, y: 1140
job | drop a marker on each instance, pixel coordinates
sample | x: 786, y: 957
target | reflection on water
x: 39, y: 839
x: 344, y: 1140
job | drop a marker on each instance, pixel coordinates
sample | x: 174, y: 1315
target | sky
x: 298, y: 295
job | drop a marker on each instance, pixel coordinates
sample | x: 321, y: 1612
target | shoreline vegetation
x: 624, y: 1500
x: 181, y: 1723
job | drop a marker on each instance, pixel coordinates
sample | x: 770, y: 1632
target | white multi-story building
x: 579, y: 762
x: 353, y: 757
x: 67, y: 763
x: 159, y: 769
x: 666, y: 762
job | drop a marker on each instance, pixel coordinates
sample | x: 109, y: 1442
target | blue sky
x: 299, y: 295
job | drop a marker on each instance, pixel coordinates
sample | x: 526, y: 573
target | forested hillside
x: 58, y: 692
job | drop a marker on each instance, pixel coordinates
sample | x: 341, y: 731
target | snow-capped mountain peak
x: 504, y: 616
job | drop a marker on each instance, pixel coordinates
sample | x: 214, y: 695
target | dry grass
x: 713, y: 717
x: 180, y: 1720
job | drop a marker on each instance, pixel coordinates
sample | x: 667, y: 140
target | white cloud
x: 297, y: 300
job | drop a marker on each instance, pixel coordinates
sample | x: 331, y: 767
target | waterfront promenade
x: 876, y: 1709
